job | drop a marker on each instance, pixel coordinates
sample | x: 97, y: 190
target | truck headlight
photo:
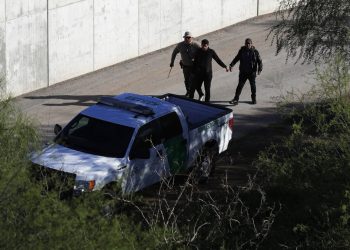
x: 81, y: 186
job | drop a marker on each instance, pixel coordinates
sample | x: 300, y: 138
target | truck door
x: 175, y: 143
x: 148, y: 163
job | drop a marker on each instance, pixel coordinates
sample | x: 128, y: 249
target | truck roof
x: 129, y: 109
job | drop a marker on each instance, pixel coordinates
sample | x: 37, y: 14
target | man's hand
x: 171, y: 65
x: 259, y: 72
x: 181, y: 64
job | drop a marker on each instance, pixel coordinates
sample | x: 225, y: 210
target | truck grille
x: 53, y: 180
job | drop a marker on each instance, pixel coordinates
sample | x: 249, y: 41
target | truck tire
x: 206, y: 165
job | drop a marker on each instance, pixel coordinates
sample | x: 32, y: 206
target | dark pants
x: 187, y: 70
x: 190, y: 81
x: 199, y: 78
x: 243, y: 77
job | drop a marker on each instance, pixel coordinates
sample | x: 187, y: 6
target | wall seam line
x: 5, y: 49
x: 160, y: 24
x: 222, y: 14
x: 181, y: 18
x: 47, y: 43
x: 138, y: 27
x: 93, y: 35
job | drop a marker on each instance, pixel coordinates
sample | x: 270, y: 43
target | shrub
x: 32, y: 218
x: 309, y: 172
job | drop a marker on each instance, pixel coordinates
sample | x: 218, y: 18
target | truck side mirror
x: 57, y: 129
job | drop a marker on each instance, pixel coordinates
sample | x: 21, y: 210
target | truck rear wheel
x: 206, y: 165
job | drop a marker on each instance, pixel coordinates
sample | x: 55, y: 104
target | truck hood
x: 85, y: 166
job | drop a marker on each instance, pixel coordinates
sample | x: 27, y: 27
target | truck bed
x: 197, y: 113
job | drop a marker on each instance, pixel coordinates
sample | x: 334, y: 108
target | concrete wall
x: 116, y: 31
x: 25, y: 45
x: 70, y: 37
x: 234, y: 11
x: 149, y: 25
x: 43, y: 42
x: 268, y: 6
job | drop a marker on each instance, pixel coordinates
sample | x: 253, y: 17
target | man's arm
x: 259, y: 61
x: 195, y: 61
x: 196, y: 45
x: 218, y: 60
x: 173, y: 55
x: 236, y: 59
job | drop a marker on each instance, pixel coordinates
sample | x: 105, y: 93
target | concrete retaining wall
x: 43, y: 42
x: 71, y: 39
x: 267, y: 6
x: 25, y: 43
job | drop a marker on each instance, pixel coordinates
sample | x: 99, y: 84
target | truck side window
x: 171, y: 125
x: 79, y: 127
x: 147, y: 137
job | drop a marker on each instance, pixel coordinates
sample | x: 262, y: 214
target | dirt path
x: 148, y: 75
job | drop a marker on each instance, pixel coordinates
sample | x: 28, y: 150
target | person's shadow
x: 229, y: 104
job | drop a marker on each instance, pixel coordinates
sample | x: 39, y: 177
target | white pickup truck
x: 137, y: 140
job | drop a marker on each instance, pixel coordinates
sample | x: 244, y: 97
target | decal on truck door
x: 174, y: 142
x: 176, y: 152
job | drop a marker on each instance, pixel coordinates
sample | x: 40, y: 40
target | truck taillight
x: 230, y: 123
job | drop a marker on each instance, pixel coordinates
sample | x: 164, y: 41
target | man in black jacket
x: 202, y: 66
x: 250, y: 64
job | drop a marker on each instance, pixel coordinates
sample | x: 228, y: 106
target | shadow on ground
x: 227, y: 104
x: 68, y: 100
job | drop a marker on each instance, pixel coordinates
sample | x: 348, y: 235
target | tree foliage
x: 313, y: 30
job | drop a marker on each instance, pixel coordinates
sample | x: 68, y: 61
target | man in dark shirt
x: 250, y: 63
x: 202, y: 66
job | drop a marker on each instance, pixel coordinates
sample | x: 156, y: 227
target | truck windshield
x: 95, y: 136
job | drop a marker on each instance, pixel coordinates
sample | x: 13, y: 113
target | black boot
x: 234, y: 101
x: 253, y: 99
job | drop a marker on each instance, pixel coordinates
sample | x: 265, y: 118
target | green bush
x: 309, y: 172
x: 31, y: 218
